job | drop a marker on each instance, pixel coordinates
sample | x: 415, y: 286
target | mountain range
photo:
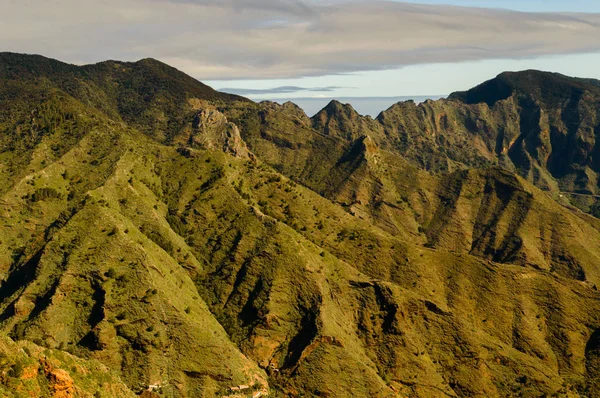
x: 162, y: 239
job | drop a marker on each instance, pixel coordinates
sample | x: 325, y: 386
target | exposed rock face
x: 211, y: 130
x: 543, y: 126
x: 61, y: 383
x: 556, y: 126
x: 437, y: 135
x: 28, y: 370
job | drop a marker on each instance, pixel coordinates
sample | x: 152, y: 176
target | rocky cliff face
x: 211, y: 130
x: 557, y: 125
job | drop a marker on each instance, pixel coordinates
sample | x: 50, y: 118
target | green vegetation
x: 157, y: 235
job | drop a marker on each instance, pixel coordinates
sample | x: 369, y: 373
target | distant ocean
x: 371, y: 106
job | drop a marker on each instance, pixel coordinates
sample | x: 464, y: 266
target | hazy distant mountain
x: 160, y: 238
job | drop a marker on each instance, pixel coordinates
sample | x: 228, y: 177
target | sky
x: 314, y: 50
x: 526, y: 5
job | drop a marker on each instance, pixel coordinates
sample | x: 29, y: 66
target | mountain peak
x: 337, y: 110
x: 342, y: 120
x: 25, y: 66
x: 545, y: 86
x: 150, y: 60
x: 150, y: 94
x: 335, y: 106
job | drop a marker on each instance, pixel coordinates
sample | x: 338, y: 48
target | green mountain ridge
x: 198, y: 244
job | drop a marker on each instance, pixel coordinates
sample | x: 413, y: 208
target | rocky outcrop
x: 61, y: 383
x: 212, y: 130
x: 27, y: 369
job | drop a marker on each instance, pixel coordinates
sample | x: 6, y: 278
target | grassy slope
x: 246, y: 257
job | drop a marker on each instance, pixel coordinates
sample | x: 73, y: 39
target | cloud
x: 279, y: 90
x: 293, y: 7
x: 264, y: 39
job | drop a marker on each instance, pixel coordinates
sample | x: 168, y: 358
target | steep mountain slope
x: 263, y: 253
x: 83, y: 276
x: 543, y: 126
x: 488, y: 213
x: 149, y: 95
x: 558, y: 126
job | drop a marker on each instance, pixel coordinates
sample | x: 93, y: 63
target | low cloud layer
x: 261, y: 39
x: 279, y: 90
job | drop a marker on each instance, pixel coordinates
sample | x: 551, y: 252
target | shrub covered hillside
x: 158, y: 238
